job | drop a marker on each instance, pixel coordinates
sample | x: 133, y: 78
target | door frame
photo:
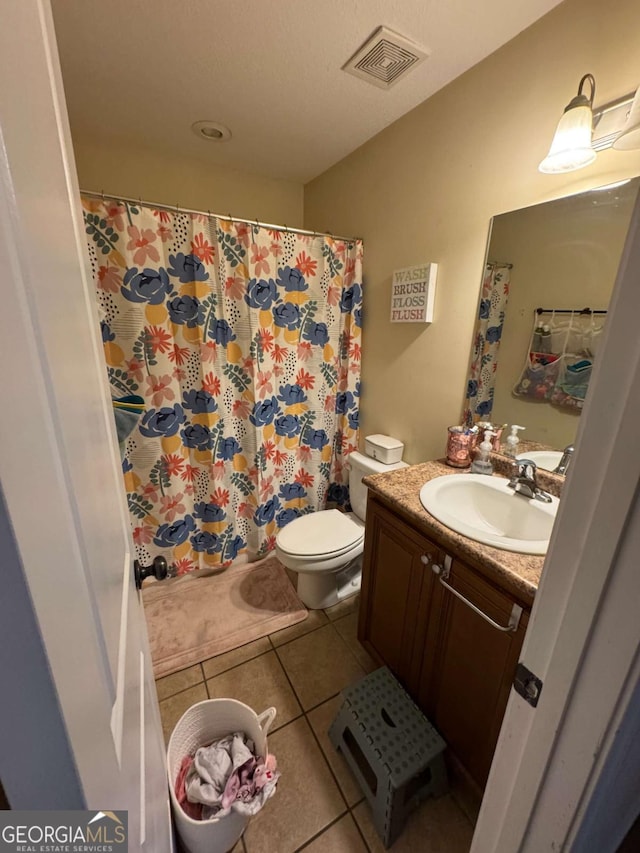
x: 46, y: 541
x: 53, y: 658
x: 553, y: 763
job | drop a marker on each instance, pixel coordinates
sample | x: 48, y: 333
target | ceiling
x: 142, y: 71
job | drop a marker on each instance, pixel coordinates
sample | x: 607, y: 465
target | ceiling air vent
x: 385, y: 58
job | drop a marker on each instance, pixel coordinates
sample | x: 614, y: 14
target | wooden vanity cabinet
x: 391, y: 624
x: 468, y: 666
x: 457, y: 667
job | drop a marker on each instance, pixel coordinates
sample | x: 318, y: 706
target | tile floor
x: 318, y: 807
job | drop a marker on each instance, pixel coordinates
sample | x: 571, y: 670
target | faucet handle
x: 526, y: 468
x: 565, y: 459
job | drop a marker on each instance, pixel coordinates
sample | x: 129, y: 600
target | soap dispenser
x: 482, y: 463
x: 512, y: 440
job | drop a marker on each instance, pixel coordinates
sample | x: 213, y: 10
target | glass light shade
x: 629, y: 137
x: 571, y: 147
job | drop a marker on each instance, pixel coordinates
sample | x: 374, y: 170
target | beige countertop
x: 400, y: 491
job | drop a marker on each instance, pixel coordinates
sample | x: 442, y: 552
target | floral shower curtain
x: 484, y: 361
x: 245, y: 344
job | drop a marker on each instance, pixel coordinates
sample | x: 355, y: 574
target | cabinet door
x: 468, y: 666
x: 392, y: 581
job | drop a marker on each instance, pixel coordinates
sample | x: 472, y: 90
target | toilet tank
x: 361, y: 466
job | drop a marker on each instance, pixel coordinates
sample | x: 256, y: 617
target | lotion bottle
x: 537, y: 338
x: 511, y: 448
x: 545, y: 339
x: 482, y: 462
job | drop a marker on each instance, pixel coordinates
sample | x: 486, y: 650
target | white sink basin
x: 549, y: 459
x: 487, y: 510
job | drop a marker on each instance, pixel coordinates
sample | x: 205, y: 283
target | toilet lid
x: 321, y: 533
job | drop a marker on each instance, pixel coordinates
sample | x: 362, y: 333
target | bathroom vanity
x: 456, y: 664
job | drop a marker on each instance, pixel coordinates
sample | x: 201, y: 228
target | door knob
x: 157, y: 569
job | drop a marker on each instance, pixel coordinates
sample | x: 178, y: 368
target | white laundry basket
x: 199, y: 726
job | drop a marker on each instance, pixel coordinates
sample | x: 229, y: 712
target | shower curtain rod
x: 571, y: 311
x: 500, y: 264
x: 177, y: 209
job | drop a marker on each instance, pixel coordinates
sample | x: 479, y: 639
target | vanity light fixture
x: 606, y: 187
x: 629, y: 136
x: 571, y: 147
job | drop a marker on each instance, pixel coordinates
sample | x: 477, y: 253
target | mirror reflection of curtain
x: 484, y: 360
x: 245, y: 344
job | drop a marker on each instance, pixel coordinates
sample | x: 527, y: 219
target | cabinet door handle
x: 516, y: 610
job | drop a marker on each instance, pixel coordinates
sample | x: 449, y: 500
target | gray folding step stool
x: 392, y: 749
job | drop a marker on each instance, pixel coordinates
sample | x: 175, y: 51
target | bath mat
x: 193, y: 618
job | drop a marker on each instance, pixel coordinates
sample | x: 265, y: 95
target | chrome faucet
x: 524, y: 482
x: 563, y: 464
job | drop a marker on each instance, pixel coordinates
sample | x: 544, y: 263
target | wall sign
x: 413, y: 293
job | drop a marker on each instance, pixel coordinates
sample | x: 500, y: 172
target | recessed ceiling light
x: 212, y: 131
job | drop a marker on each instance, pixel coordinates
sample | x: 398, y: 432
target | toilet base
x: 318, y: 590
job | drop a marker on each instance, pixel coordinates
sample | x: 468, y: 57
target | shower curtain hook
x: 103, y: 196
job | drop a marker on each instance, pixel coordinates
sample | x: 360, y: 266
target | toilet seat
x: 327, y: 534
x: 324, y: 550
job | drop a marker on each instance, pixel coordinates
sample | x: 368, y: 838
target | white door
x: 565, y: 773
x: 59, y: 460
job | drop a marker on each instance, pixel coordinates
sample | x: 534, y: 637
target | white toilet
x: 325, y: 548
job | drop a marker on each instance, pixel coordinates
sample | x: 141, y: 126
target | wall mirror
x: 561, y: 256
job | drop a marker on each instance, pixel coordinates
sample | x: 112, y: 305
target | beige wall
x: 155, y: 176
x: 426, y: 188
x: 565, y: 254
